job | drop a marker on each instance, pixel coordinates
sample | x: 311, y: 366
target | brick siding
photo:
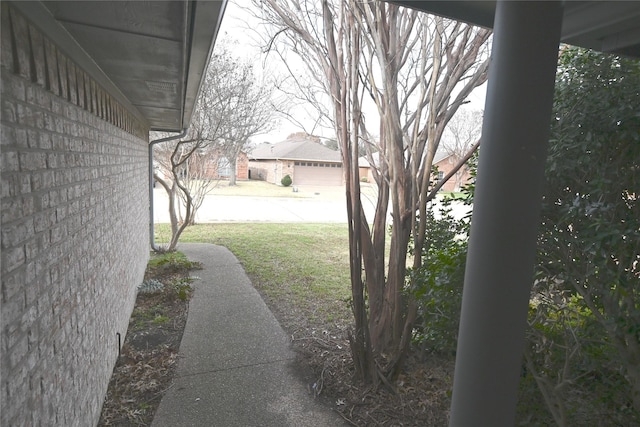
x: 74, y: 231
x: 271, y: 170
x: 461, y: 178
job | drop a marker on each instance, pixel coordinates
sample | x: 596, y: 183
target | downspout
x: 151, y: 144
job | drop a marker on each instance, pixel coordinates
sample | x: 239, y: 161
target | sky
x: 237, y: 26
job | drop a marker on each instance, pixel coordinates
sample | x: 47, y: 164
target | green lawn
x: 302, y: 267
x: 255, y: 188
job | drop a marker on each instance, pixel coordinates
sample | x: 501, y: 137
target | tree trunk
x: 375, y: 44
x: 233, y: 166
x: 173, y: 216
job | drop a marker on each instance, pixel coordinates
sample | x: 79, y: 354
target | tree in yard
x: 588, y: 276
x: 231, y: 108
x: 250, y: 107
x: 461, y: 133
x: 415, y: 71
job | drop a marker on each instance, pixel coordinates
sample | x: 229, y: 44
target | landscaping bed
x: 149, y: 355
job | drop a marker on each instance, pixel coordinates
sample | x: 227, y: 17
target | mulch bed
x: 149, y: 356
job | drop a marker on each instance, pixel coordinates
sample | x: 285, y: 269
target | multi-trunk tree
x: 233, y: 105
x: 406, y: 74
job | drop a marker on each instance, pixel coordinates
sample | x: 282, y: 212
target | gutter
x: 151, y: 144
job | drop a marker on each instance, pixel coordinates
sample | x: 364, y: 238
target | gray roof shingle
x: 295, y: 149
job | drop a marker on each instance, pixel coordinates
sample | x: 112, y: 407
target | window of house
x: 440, y: 175
x: 224, y: 168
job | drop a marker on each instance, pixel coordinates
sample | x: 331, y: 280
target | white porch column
x: 506, y: 212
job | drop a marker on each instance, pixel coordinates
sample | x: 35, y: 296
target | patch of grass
x: 160, y: 319
x: 307, y: 264
x: 255, y: 188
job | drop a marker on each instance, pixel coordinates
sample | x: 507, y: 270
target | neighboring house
x: 208, y: 164
x: 443, y: 162
x: 365, y: 171
x: 83, y: 83
x: 300, y: 156
x: 218, y: 167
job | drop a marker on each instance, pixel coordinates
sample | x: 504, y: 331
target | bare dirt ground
x: 420, y: 396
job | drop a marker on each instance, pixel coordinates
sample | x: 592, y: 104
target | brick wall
x: 242, y: 167
x: 461, y: 178
x: 74, y: 231
x: 271, y: 170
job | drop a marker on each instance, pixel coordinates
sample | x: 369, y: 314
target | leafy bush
x: 437, y: 285
x: 183, y: 287
x: 582, y: 346
x: 286, y: 181
x: 172, y: 262
x: 150, y: 286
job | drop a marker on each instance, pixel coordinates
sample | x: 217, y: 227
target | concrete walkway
x: 235, y: 359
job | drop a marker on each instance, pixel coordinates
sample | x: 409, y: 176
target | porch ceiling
x: 606, y: 26
x: 152, y: 53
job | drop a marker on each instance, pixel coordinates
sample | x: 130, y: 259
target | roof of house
x: 150, y: 55
x: 440, y: 156
x: 295, y: 149
x: 363, y: 162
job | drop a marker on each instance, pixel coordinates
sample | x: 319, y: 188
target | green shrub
x: 286, y: 181
x: 172, y: 262
x: 437, y: 285
x: 150, y: 286
x: 183, y: 287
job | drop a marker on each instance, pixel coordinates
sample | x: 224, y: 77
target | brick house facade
x: 74, y: 234
x: 209, y: 165
x: 272, y: 171
x: 445, y: 163
x: 303, y: 157
x: 75, y: 213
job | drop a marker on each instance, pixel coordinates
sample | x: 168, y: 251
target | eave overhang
x: 150, y: 55
x: 605, y: 26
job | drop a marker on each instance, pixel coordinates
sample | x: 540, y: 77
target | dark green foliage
x: 286, y: 181
x: 582, y: 357
x: 586, y: 300
x: 437, y: 285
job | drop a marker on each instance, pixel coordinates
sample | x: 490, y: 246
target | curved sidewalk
x: 235, y: 361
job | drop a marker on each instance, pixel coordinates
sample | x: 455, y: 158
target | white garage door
x: 317, y: 173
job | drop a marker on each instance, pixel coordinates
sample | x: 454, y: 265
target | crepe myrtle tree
x: 233, y: 105
x: 410, y: 72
